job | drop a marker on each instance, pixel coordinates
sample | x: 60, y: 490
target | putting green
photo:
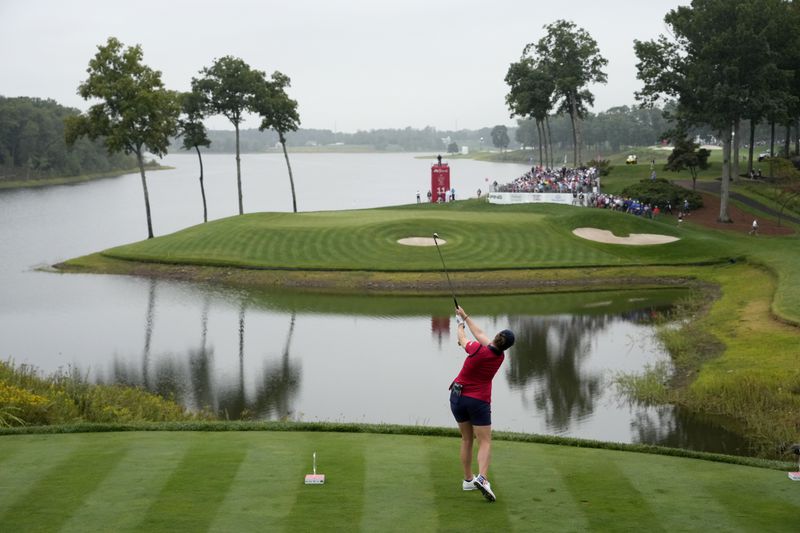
x: 479, y: 236
x: 253, y: 481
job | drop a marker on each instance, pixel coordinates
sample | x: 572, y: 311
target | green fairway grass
x: 253, y: 481
x: 478, y: 235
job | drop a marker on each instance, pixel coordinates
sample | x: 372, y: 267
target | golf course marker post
x: 315, y: 479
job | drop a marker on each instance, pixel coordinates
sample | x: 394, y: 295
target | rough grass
x: 732, y: 362
x: 27, y: 397
x: 245, y: 481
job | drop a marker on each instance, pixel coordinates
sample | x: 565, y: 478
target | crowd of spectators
x: 584, y: 185
x: 561, y: 180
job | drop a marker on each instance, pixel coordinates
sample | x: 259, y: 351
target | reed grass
x: 28, y: 397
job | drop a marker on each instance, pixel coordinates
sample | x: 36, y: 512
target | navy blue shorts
x: 466, y: 409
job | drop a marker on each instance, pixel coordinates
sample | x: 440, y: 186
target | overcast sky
x: 354, y: 65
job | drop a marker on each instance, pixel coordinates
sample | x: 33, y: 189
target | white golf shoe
x: 483, y: 485
x: 469, y: 485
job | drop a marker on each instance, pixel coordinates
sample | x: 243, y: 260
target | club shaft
x: 449, y: 283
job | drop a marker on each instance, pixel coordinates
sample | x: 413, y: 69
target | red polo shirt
x: 479, y: 368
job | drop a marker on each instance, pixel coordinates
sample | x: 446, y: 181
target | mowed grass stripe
x: 234, y: 480
x: 477, y: 238
x: 527, y: 476
x: 25, y: 465
x: 609, y: 501
x: 457, y: 509
x: 120, y: 501
x: 679, y: 502
x: 266, y: 484
x: 197, y: 487
x: 400, y: 485
x: 53, y: 499
x: 338, y: 504
x: 752, y: 503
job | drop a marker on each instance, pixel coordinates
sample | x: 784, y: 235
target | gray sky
x: 353, y: 64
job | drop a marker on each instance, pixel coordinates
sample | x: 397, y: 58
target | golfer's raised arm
x: 477, y: 332
x: 462, y: 335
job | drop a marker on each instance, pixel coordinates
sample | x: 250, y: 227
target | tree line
x: 136, y: 114
x: 608, y: 131
x: 723, y: 64
x: 32, y: 138
x: 32, y: 144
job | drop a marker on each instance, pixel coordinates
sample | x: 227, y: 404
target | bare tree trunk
x: 772, y: 139
x: 539, y: 128
x: 202, y: 187
x: 797, y: 137
x: 549, y: 141
x: 238, y: 171
x: 726, y: 174
x: 750, y: 150
x: 735, y: 158
x: 573, y: 115
x: 788, y: 141
x: 140, y: 160
x: 291, y: 178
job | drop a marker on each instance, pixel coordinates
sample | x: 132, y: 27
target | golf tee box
x: 314, y: 479
x: 794, y: 476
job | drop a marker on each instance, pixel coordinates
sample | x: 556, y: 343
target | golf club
x: 436, y: 236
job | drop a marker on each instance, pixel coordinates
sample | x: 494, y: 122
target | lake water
x: 309, y: 357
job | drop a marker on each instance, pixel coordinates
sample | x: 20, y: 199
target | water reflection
x: 209, y: 350
x: 440, y: 329
x: 148, y: 330
x: 669, y: 426
x: 278, y: 385
x: 200, y: 367
x: 550, y: 352
x: 277, y: 356
x: 194, y: 384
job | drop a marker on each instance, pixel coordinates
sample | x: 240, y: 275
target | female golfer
x: 471, y: 397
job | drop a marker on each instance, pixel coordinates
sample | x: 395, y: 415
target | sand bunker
x: 420, y: 241
x: 605, y: 236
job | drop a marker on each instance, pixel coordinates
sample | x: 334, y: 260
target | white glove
x: 459, y: 321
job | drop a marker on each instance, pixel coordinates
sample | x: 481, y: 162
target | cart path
x: 714, y: 188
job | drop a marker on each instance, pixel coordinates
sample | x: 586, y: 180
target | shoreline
x: 71, y: 180
x: 489, y: 282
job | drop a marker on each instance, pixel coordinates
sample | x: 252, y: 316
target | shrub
x: 28, y: 398
x: 660, y: 191
x: 21, y: 406
x: 781, y: 168
x: 603, y: 166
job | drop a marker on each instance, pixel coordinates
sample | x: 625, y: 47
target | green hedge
x: 659, y: 192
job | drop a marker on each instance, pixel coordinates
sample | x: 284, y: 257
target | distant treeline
x: 32, y: 144
x: 609, y: 131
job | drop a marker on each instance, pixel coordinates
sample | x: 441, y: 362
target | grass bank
x: 242, y: 480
